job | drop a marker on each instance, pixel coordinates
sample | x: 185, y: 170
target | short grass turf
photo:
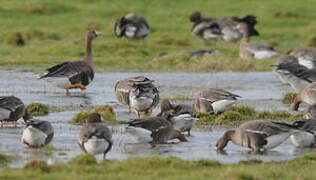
x: 54, y: 32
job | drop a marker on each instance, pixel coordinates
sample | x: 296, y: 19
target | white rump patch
x: 34, y: 136
x: 208, y: 34
x: 303, y: 139
x: 306, y: 62
x: 95, y: 145
x: 140, y: 104
x: 222, y: 105
x: 276, y: 140
x: 60, y: 82
x: 183, y: 122
x: 130, y: 31
x: 4, y: 114
x: 264, y: 54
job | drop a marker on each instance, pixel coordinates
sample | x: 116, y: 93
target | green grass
x: 106, y: 111
x: 54, y: 32
x: 85, y: 167
x: 38, y: 109
x: 288, y: 98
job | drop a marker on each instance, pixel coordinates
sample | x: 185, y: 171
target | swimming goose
x: 253, y: 50
x: 258, y: 135
x: 131, y: 26
x: 37, y: 133
x: 204, y: 28
x: 215, y: 101
x: 306, y: 57
x: 11, y: 110
x: 306, y: 137
x: 307, y: 95
x: 137, y: 93
x: 161, y: 129
x: 182, y: 116
x: 95, y: 137
x: 76, y: 74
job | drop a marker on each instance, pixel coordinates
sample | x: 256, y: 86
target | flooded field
x: 261, y: 90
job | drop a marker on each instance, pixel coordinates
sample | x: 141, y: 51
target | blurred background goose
x: 37, y: 133
x: 305, y: 56
x: 95, y: 137
x: 131, y: 26
x: 161, y: 129
x: 182, y: 116
x: 253, y: 50
x: 215, y: 101
x: 76, y: 74
x: 138, y: 93
x: 259, y: 135
x: 307, y: 137
x: 11, y: 110
x: 307, y: 95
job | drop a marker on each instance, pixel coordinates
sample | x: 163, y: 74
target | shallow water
x: 261, y: 90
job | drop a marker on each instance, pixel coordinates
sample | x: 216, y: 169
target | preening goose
x: 306, y: 95
x: 182, y: 116
x: 95, y: 137
x: 11, y: 110
x: 161, y: 129
x: 253, y: 50
x: 37, y: 133
x: 215, y: 101
x: 138, y: 93
x: 131, y: 26
x: 258, y: 135
x: 76, y: 74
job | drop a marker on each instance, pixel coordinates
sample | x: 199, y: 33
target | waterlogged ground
x: 261, y: 90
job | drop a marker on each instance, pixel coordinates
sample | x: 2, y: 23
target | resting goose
x: 137, y: 93
x: 258, y: 135
x: 306, y: 95
x: 305, y: 56
x: 95, y: 137
x: 306, y: 137
x: 76, y: 74
x: 161, y: 129
x: 253, y: 50
x: 11, y: 110
x: 131, y: 26
x: 215, y: 101
x: 37, y: 133
x: 182, y: 116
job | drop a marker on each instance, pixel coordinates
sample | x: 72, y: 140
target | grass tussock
x: 37, y: 165
x: 85, y: 167
x: 239, y: 114
x: 106, y: 111
x: 37, y: 109
x: 4, y: 160
x: 288, y: 98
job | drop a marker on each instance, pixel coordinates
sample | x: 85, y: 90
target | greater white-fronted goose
x: 258, y: 135
x: 306, y: 57
x: 307, y: 137
x: 307, y: 95
x: 182, y: 116
x: 204, y: 28
x: 253, y: 50
x: 161, y: 129
x: 131, y: 26
x: 283, y: 74
x: 76, y: 74
x: 215, y: 101
x: 11, y: 110
x: 37, y: 133
x: 95, y: 137
x: 138, y: 93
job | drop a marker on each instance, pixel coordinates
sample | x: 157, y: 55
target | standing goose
x: 37, y: 133
x: 76, y: 74
x: 182, y: 116
x: 137, y: 93
x: 161, y: 129
x: 253, y: 50
x: 307, y: 137
x: 215, y: 101
x: 11, y: 110
x: 258, y: 135
x: 307, y: 95
x: 95, y: 138
x: 131, y: 26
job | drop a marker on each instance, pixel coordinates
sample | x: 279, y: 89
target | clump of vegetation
x: 37, y: 109
x: 106, y: 112
x: 37, y: 165
x: 4, y: 160
x: 288, y: 98
x: 37, y: 34
x: 312, y: 42
x: 84, y: 159
x: 239, y: 114
x: 15, y: 39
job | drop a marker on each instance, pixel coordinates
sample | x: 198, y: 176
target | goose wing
x: 269, y: 128
x: 151, y: 124
x: 215, y: 94
x: 10, y: 103
x: 98, y: 130
x: 299, y: 71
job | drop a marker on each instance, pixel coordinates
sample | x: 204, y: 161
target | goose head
x: 93, y: 34
x: 223, y: 141
x: 94, y: 118
x: 196, y: 17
